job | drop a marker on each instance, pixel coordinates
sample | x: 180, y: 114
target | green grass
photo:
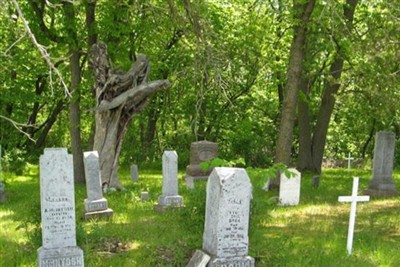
x: 311, y: 234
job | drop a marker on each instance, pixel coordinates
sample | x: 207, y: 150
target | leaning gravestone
x: 96, y: 205
x: 57, y: 201
x: 226, y: 225
x: 382, y: 183
x: 201, y: 151
x: 169, y: 197
x: 134, y: 173
x: 289, y: 188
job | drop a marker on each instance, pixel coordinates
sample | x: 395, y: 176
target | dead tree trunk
x: 119, y: 97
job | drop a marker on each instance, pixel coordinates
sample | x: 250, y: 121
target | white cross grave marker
x: 349, y: 158
x: 353, y: 199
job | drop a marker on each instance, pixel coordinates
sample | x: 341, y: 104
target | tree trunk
x: 294, y: 76
x: 119, y: 97
x: 75, y: 119
x: 332, y: 85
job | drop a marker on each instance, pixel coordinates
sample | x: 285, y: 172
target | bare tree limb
x: 41, y: 48
x: 17, y: 126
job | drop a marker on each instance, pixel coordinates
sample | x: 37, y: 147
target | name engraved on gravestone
x: 57, y: 201
x: 227, y: 217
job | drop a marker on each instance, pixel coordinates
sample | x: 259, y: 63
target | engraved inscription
x: 62, y: 262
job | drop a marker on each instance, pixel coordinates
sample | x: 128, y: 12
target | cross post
x: 349, y: 158
x: 353, y: 199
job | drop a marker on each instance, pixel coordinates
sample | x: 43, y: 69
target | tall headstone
x: 96, y: 205
x: 382, y: 183
x: 57, y: 201
x: 226, y: 226
x: 200, y: 151
x: 134, y: 173
x: 289, y: 188
x: 169, y: 197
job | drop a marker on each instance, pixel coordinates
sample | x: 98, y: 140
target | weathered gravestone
x: 349, y: 159
x: 57, y: 201
x: 169, y: 197
x: 353, y: 199
x: 199, y: 259
x: 2, y: 192
x: 382, y: 183
x: 289, y: 188
x: 226, y: 225
x: 96, y: 205
x: 201, y: 151
x: 134, y: 173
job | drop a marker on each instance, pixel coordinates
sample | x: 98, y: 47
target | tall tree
x: 302, y: 14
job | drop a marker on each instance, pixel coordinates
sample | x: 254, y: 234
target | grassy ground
x: 311, y: 234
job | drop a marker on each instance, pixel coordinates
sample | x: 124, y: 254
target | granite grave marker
x: 289, y: 188
x: 134, y: 173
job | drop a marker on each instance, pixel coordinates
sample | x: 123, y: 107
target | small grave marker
x: 353, y: 199
x: 134, y: 173
x: 96, y: 206
x: 169, y: 197
x: 349, y: 159
x: 315, y: 181
x: 289, y: 188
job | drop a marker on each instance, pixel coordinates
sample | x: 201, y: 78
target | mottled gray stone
x: 169, y: 197
x: 289, y: 188
x: 227, y: 217
x: 200, y: 151
x: 144, y: 196
x: 95, y: 204
x: 134, y: 173
x: 199, y: 259
x: 382, y: 183
x: 57, y: 201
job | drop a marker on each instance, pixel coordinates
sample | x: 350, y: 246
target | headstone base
x: 166, y: 202
x: 381, y: 192
x: 233, y: 261
x: 96, y: 205
x: 66, y: 256
x: 108, y: 213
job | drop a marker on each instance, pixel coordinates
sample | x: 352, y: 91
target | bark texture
x: 119, y: 96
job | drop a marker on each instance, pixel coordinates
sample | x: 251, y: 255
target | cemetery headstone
x: 289, y: 188
x: 349, y: 159
x: 267, y: 185
x: 134, y: 173
x: 315, y: 181
x: 96, y: 206
x: 169, y: 197
x: 144, y: 196
x: 57, y: 201
x: 353, y: 199
x: 2, y: 192
x: 382, y: 183
x: 200, y: 151
x: 226, y: 225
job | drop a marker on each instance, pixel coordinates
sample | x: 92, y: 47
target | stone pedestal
x: 67, y: 256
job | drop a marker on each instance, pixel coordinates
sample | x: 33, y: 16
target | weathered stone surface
x: 134, y: 173
x: 382, y: 183
x: 227, y: 217
x: 169, y: 197
x: 144, y: 196
x: 199, y: 259
x: 95, y: 204
x: 289, y: 189
x: 57, y: 201
x: 2, y: 192
x: 199, y: 152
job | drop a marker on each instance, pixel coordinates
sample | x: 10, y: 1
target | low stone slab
x: 108, y: 213
x: 199, y: 259
x: 66, y: 256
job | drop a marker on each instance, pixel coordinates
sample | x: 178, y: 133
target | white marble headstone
x: 95, y: 204
x: 134, y: 173
x: 57, y: 200
x: 169, y: 197
x: 289, y: 188
x: 227, y: 217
